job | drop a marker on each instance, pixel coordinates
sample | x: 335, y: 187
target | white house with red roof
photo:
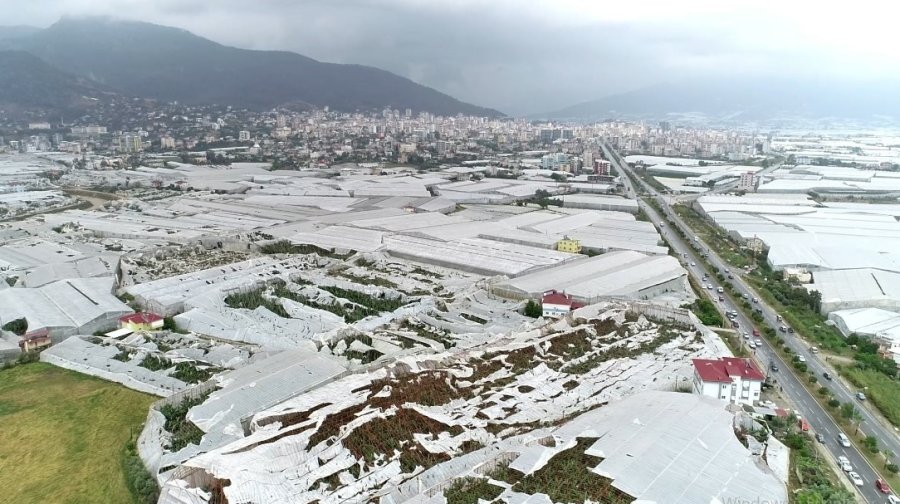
x: 558, y: 304
x: 731, y: 379
x: 141, y: 321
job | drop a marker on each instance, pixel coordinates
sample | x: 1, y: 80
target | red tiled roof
x: 723, y: 369
x: 557, y: 298
x: 141, y: 318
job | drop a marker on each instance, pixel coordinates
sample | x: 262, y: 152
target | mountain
x: 10, y: 32
x: 27, y: 82
x: 170, y: 64
x: 748, y: 99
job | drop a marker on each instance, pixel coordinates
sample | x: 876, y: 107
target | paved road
x: 820, y: 421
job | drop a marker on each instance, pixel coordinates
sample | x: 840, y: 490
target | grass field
x: 63, y: 436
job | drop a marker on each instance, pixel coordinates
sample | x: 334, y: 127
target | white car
x: 751, y: 345
x: 846, y: 467
x: 693, y: 263
x: 843, y: 460
x: 893, y: 499
x: 855, y: 479
x: 801, y: 358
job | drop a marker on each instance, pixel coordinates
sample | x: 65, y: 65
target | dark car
x: 774, y: 368
x: 820, y: 438
x: 791, y: 330
x: 826, y: 375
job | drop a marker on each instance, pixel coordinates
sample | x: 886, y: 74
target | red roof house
x: 731, y: 379
x: 141, y: 321
x: 557, y: 304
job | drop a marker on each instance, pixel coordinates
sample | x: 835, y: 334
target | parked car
x: 820, y: 438
x: 720, y: 290
x: 893, y: 499
x: 854, y: 477
x: 790, y: 330
x: 844, y: 440
x: 755, y: 300
x: 756, y: 332
x: 804, y: 425
x: 782, y: 329
x: 861, y: 396
x: 693, y: 263
x: 846, y: 467
x: 843, y: 460
x: 721, y: 298
x: 814, y: 350
x: 734, y: 324
x: 778, y: 318
x: 801, y: 358
x: 882, y: 486
x: 751, y: 345
x: 758, y: 342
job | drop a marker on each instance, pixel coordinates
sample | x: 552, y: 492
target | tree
x: 533, y: 309
x: 847, y: 410
x: 888, y: 455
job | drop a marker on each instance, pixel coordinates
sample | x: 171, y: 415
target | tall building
x: 130, y: 142
x: 244, y: 136
x: 749, y: 182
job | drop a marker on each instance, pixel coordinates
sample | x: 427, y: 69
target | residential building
x: 558, y: 304
x: 569, y: 245
x: 130, y: 142
x: 749, y: 182
x: 141, y: 321
x: 244, y: 136
x: 35, y: 340
x: 732, y: 379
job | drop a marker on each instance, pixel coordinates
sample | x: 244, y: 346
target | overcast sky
x: 525, y: 56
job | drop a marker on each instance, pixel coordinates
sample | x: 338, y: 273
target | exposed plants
x: 18, y: 326
x: 183, y: 431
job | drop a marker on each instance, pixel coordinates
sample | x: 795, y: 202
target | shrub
x: 141, y: 484
x: 833, y: 403
x: 892, y: 468
x: 17, y: 326
x: 533, y: 309
x: 871, y: 444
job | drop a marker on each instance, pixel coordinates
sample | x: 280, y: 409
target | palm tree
x: 888, y: 455
x: 857, y: 418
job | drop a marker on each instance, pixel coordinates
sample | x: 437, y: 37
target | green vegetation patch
x: 469, y: 490
x: 65, y: 436
x: 183, y: 431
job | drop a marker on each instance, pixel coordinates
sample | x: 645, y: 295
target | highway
x: 792, y: 387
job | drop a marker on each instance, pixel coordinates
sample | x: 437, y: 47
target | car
x: 790, y: 330
x: 774, y: 368
x: 745, y: 296
x: 814, y: 350
x: 882, y: 486
x: 735, y: 324
x: 826, y: 375
x: 758, y: 342
x: 844, y: 440
x: 846, y: 467
x: 720, y: 290
x: 755, y: 332
x: 820, y: 438
x: 893, y: 499
x: 693, y: 263
x: 854, y: 477
x: 843, y: 460
x: 782, y: 329
x: 778, y: 318
x: 746, y: 336
x: 755, y: 300
x: 801, y: 358
x: 684, y: 255
x: 751, y: 345
x: 730, y: 276
x: 709, y: 286
x: 721, y: 298
x: 861, y: 396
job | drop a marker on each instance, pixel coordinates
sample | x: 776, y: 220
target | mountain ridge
x: 172, y: 64
x: 749, y: 99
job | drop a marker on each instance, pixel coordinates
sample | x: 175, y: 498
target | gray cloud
x: 514, y: 55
